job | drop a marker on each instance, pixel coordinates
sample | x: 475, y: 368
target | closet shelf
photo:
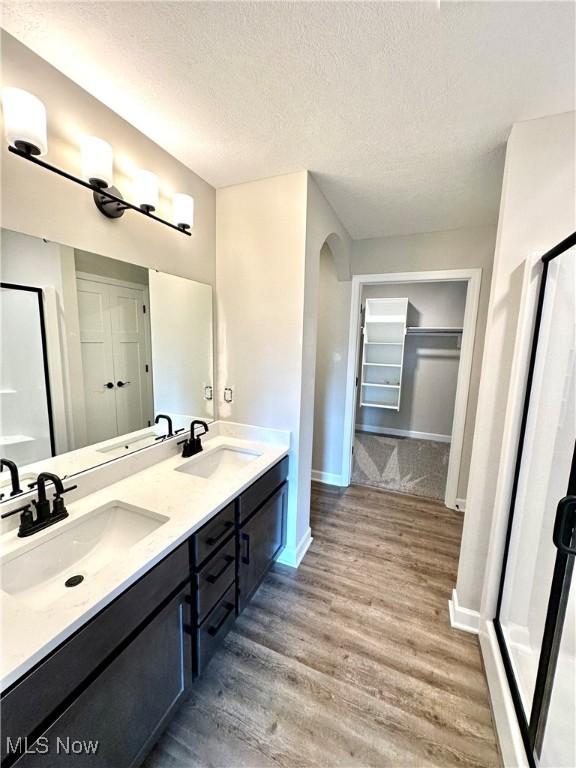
x: 384, y: 319
x: 432, y: 331
x: 384, y: 334
x: 379, y: 405
x: 386, y: 386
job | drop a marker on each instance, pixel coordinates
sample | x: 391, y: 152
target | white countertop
x: 29, y: 633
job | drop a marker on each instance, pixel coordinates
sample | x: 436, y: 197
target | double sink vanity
x: 109, y: 615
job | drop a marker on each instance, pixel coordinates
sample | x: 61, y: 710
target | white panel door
x: 131, y: 369
x: 97, y: 360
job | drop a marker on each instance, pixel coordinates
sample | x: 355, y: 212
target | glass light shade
x: 183, y: 210
x: 97, y: 161
x: 24, y: 121
x: 146, y: 185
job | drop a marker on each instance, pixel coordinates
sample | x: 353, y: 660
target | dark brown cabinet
x: 261, y: 538
x: 117, y: 718
x: 117, y: 680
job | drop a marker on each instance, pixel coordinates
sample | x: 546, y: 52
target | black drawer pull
x: 213, y: 630
x: 225, y: 528
x: 212, y: 578
x: 246, y: 542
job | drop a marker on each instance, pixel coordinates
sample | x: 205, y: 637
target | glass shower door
x: 534, y: 626
x: 26, y: 428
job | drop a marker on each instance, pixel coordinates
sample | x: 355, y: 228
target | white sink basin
x: 36, y: 572
x: 219, y: 464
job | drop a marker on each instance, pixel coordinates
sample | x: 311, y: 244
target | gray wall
x: 430, y: 369
x: 455, y: 249
x: 331, y: 362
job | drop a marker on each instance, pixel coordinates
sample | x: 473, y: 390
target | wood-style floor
x: 350, y: 660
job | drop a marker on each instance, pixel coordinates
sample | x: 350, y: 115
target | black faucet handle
x: 25, y: 508
x: 65, y: 490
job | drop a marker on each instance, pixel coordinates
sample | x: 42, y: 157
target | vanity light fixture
x: 183, y: 210
x: 97, y: 161
x: 25, y: 129
x: 24, y: 121
x: 146, y: 186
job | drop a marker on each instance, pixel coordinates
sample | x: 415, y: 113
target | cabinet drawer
x: 254, y: 496
x: 125, y: 709
x: 214, y: 628
x: 212, y: 535
x: 35, y: 697
x: 214, y: 577
x: 261, y: 538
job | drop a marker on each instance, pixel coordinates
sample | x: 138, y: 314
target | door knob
x: 109, y: 385
x: 122, y: 383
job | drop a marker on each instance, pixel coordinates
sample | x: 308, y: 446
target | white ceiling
x: 400, y: 109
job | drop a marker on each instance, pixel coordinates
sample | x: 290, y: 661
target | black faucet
x: 45, y: 516
x: 169, y: 420
x: 194, y: 444
x: 14, y: 476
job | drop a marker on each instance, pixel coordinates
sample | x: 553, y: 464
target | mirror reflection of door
x: 115, y: 343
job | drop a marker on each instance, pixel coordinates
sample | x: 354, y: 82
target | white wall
x: 269, y: 236
x: 455, y: 249
x: 430, y: 370
x: 260, y: 255
x: 40, y: 203
x: 537, y: 210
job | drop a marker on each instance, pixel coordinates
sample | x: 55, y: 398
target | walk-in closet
x: 409, y: 355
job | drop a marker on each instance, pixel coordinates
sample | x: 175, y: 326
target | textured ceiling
x: 401, y: 110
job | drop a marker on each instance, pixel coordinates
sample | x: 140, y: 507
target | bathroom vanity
x: 110, y: 659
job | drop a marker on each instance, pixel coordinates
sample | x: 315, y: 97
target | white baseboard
x: 504, y: 715
x: 461, y: 505
x: 293, y: 556
x: 463, y: 618
x: 403, y: 433
x: 328, y: 478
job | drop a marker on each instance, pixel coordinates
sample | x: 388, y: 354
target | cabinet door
x: 261, y: 538
x: 117, y: 719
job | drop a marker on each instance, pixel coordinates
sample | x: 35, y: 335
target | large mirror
x: 92, y: 350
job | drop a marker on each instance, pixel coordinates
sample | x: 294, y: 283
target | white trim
x: 503, y: 713
x: 328, y: 478
x: 463, y: 618
x: 293, y: 556
x: 473, y: 277
x: 461, y: 505
x: 510, y: 436
x: 403, y: 433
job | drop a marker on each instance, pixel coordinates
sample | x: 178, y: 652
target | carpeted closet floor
x: 401, y: 464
